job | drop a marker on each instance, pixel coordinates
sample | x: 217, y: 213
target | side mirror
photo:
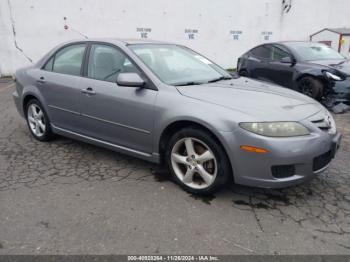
x: 287, y: 60
x: 130, y: 79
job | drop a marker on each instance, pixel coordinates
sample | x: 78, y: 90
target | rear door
x: 258, y: 62
x: 59, y: 82
x: 117, y: 114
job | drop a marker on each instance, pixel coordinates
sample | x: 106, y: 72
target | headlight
x: 276, y: 129
x: 332, y: 76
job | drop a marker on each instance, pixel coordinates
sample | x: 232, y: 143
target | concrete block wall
x: 222, y: 30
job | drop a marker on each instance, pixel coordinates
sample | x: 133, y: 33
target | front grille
x: 324, y: 121
x: 322, y: 124
x: 322, y: 161
x: 283, y: 171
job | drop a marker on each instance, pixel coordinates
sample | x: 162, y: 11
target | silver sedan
x: 167, y: 104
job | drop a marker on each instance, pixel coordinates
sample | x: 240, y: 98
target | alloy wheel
x: 194, y: 163
x: 36, y: 120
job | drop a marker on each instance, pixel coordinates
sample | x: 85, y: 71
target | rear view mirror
x: 130, y: 79
x: 287, y: 60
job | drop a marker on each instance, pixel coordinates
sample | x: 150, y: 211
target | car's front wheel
x: 244, y: 73
x: 311, y: 87
x: 38, y: 121
x: 197, y: 161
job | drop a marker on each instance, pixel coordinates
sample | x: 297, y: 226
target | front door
x: 120, y: 115
x: 277, y: 71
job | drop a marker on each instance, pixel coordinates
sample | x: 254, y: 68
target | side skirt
x: 154, y: 157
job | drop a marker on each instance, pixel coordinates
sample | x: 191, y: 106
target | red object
x: 66, y: 27
x: 340, y: 43
x: 329, y: 43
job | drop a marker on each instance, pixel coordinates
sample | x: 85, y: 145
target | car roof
x: 284, y: 43
x: 120, y: 41
x: 288, y: 42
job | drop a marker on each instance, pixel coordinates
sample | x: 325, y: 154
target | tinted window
x: 264, y: 52
x: 68, y: 60
x: 106, y: 62
x: 278, y: 53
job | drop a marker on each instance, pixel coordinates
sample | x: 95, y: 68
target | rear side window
x: 263, y: 51
x: 67, y: 61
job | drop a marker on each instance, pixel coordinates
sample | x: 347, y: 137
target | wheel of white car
x: 37, y: 120
x: 197, y: 161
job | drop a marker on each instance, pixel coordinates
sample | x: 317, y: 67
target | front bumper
x: 308, y: 155
x: 18, y: 103
x: 340, y: 91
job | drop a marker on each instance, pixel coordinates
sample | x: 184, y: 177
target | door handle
x: 88, y: 91
x: 41, y: 80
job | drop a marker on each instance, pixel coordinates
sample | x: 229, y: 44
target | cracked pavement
x: 67, y: 197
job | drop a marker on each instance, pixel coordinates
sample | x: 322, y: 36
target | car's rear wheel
x: 197, y: 161
x: 311, y: 87
x: 38, y: 121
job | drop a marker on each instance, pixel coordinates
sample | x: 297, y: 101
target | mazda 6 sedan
x: 310, y: 68
x: 170, y: 105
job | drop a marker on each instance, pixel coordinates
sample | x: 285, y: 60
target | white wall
x: 39, y: 24
x: 310, y: 16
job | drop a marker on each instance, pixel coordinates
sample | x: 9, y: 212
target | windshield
x: 315, y: 51
x: 177, y: 65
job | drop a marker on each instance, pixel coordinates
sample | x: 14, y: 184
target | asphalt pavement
x: 68, y: 197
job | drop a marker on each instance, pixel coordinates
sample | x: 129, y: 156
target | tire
x: 311, y: 87
x: 243, y: 73
x: 38, y: 121
x: 206, y: 173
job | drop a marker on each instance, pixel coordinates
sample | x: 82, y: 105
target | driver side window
x: 278, y: 54
x: 106, y: 63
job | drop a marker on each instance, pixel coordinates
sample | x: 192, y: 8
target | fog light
x: 283, y: 171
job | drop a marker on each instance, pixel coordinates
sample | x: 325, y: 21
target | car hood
x: 259, y: 100
x: 342, y: 65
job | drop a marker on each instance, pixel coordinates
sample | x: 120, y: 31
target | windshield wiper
x: 219, y: 79
x: 190, y: 83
